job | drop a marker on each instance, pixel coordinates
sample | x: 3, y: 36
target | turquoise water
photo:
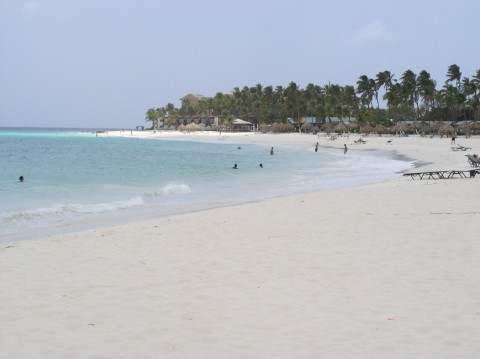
x: 74, y: 179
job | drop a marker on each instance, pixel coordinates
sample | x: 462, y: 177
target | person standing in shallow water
x: 345, y: 149
x: 271, y: 151
x: 235, y: 167
x: 316, y: 147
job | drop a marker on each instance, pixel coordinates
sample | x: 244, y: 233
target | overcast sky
x: 103, y: 63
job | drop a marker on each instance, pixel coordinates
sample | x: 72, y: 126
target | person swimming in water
x: 261, y: 166
x: 21, y: 179
x: 235, y: 167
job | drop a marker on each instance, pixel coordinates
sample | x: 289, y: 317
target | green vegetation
x: 413, y: 97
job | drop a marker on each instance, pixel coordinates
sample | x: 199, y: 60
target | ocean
x: 75, y: 180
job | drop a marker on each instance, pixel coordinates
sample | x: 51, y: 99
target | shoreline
x: 372, y: 271
x: 302, y: 142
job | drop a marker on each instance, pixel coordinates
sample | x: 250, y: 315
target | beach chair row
x: 443, y: 174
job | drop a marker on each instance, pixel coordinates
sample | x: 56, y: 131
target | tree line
x: 413, y: 96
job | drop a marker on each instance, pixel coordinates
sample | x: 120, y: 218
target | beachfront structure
x: 193, y: 99
x: 241, y: 125
x: 333, y: 120
x: 207, y: 121
x: 337, y: 120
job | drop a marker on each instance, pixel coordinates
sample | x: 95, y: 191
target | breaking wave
x: 170, y: 189
x: 61, y: 212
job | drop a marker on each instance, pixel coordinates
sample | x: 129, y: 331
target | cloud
x: 373, y: 31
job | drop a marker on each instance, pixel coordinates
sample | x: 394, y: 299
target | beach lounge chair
x: 460, y: 148
x: 474, y: 161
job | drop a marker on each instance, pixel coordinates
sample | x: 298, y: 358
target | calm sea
x: 75, y: 180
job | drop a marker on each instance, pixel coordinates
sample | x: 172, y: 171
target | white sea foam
x: 171, y: 189
x: 59, y: 213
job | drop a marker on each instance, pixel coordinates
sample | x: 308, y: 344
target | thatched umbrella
x: 426, y: 129
x: 400, y: 127
x: 191, y: 127
x: 476, y: 126
x: 465, y: 125
x: 465, y: 128
x: 352, y: 126
x: 380, y: 129
x: 327, y: 127
x: 416, y: 125
x: 437, y: 125
x: 307, y: 127
x: 446, y: 129
x: 367, y: 129
x: 340, y: 128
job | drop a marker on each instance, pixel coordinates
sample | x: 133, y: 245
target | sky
x: 104, y: 63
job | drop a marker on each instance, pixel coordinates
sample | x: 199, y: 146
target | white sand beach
x: 387, y: 270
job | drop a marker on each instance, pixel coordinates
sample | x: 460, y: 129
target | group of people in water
x: 235, y: 166
x: 345, y: 149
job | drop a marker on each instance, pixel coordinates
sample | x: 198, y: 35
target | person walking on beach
x: 345, y: 149
x: 271, y: 151
x: 316, y: 147
x: 454, y: 136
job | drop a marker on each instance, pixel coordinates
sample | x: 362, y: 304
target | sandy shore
x: 388, y: 270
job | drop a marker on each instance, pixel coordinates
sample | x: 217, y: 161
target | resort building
x: 193, y: 99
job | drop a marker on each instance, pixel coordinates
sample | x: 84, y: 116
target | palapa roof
x: 239, y: 121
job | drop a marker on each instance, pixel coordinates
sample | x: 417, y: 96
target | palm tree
x: 454, y: 74
x: 333, y: 101
x: 394, y: 98
x: 160, y: 114
x: 349, y: 100
x: 268, y: 104
x: 365, y: 88
x: 375, y: 87
x: 410, y: 88
x: 476, y: 96
x: 280, y: 103
x: 293, y: 102
x: 453, y: 93
x: 426, y: 89
x: 468, y: 94
x: 151, y: 115
x: 384, y: 79
x: 257, y: 100
x: 451, y: 99
x: 476, y: 79
x: 310, y: 98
